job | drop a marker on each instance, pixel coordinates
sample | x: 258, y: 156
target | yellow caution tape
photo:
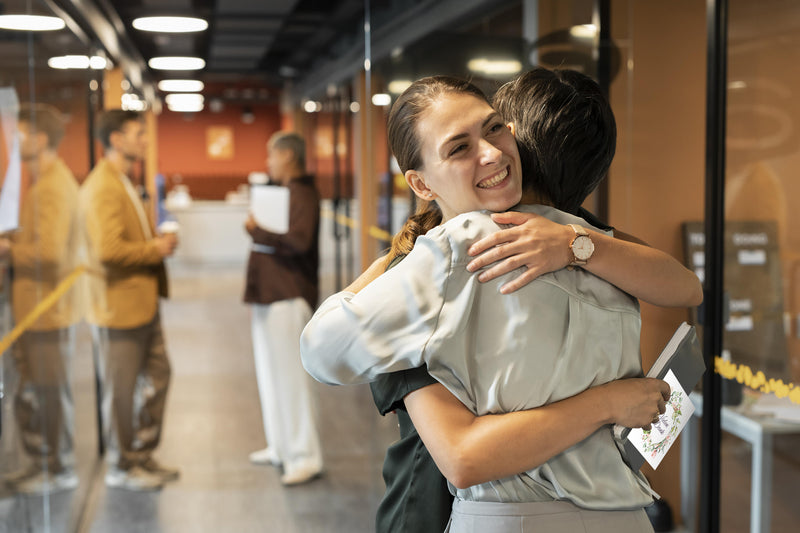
x: 374, y: 231
x: 40, y: 308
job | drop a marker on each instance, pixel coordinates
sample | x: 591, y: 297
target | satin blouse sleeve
x: 353, y: 338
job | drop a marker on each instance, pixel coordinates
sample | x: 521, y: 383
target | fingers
x: 490, y: 242
x: 665, y: 391
x: 512, y: 217
x: 520, y: 281
x: 497, y: 270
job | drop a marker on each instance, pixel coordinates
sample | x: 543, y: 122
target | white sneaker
x: 301, y: 474
x: 48, y: 483
x: 135, y: 478
x: 267, y: 456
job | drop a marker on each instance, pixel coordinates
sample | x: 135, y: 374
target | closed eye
x: 496, y: 127
x: 457, y: 149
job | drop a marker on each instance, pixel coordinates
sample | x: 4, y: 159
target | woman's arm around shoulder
x: 542, y: 246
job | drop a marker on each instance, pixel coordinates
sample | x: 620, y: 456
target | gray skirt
x: 542, y: 517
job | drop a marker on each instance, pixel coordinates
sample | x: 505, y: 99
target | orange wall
x: 182, y: 142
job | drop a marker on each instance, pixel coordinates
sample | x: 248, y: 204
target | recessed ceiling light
x: 76, y: 61
x: 381, y: 99
x: 585, y: 31
x: 494, y: 66
x: 180, y: 86
x: 176, y: 63
x: 170, y: 24
x: 31, y: 23
x: 187, y: 103
x: 398, y: 86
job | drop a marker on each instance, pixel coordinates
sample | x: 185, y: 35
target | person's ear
x: 42, y: 141
x: 513, y: 128
x: 112, y: 139
x: 417, y: 184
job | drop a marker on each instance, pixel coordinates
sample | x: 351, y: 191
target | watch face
x: 582, y: 247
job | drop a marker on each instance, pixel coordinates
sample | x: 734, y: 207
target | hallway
x: 214, y: 422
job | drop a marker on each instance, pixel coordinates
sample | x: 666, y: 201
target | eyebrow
x: 459, y: 136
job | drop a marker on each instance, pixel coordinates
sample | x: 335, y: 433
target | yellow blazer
x: 44, y: 250
x: 127, y: 273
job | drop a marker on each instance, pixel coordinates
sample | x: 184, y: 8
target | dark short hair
x: 113, y: 120
x: 45, y: 119
x: 404, y: 137
x: 565, y: 130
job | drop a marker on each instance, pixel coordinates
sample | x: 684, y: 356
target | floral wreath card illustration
x: 653, y: 444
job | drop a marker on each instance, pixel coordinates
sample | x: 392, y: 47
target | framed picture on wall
x: 219, y: 142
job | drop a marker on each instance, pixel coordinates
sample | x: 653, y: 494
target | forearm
x: 470, y: 449
x: 644, y: 272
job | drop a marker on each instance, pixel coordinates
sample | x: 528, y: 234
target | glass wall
x: 761, y: 341
x: 48, y: 443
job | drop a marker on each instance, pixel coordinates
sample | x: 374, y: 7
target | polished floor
x: 213, y: 422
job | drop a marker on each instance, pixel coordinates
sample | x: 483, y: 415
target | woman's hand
x: 535, y: 242
x: 636, y: 402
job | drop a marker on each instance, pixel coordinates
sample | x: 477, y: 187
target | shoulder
x: 303, y: 187
x: 455, y: 235
x: 562, y: 217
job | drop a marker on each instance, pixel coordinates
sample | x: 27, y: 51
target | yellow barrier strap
x: 40, y: 308
x: 374, y: 231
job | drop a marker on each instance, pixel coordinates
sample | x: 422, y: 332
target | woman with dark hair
x: 579, y: 330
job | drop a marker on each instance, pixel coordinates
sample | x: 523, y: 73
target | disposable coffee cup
x: 168, y: 227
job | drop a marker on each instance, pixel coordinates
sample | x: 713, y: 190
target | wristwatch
x: 582, y: 246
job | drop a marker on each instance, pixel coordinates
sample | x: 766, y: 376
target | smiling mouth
x: 496, y: 180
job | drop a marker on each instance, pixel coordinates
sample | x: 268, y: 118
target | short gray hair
x: 289, y: 140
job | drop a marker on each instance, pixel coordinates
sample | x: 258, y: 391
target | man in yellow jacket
x: 126, y: 280
x: 43, y: 253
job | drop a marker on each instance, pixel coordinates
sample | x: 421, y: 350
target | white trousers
x: 287, y: 405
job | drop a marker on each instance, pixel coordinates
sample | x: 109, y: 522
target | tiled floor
x: 213, y: 422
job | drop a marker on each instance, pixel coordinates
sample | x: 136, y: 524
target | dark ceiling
x: 263, y: 44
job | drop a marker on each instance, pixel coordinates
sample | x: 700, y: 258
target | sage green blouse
x: 564, y: 332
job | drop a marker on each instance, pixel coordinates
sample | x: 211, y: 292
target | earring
x: 430, y: 195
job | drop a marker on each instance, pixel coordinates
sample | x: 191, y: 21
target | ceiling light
x: 65, y: 62
x: 78, y: 62
x: 187, y: 102
x: 98, y: 63
x: 31, y: 23
x: 131, y: 102
x: 381, y: 99
x: 180, y: 86
x: 355, y: 107
x: 398, y: 86
x: 312, y: 107
x: 176, y: 63
x: 585, y: 31
x: 170, y: 24
x: 494, y: 67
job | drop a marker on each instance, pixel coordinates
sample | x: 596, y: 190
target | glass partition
x: 761, y: 341
x: 47, y: 446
